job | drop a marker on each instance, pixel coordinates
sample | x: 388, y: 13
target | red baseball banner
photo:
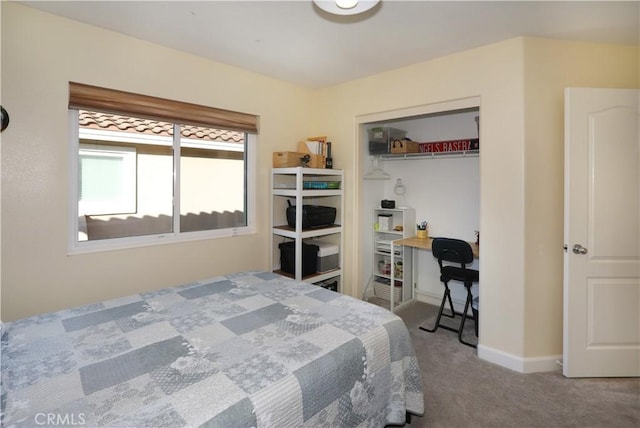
x: 450, y: 146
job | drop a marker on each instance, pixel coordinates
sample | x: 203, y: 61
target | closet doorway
x: 442, y: 188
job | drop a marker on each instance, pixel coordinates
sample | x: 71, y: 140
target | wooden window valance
x: 89, y: 97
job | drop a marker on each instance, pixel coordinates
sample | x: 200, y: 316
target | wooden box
x: 292, y: 159
x: 317, y: 157
x: 404, y: 146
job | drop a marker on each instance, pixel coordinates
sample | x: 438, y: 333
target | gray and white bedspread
x: 252, y: 349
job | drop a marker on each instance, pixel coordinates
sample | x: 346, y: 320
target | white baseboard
x: 501, y: 358
x: 519, y: 364
x: 426, y: 297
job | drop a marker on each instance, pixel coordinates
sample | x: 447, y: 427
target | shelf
x: 432, y: 155
x: 307, y: 171
x: 382, y: 240
x: 290, y: 183
x: 385, y: 276
x: 382, y: 253
x: 291, y: 232
x: 390, y: 232
x: 397, y: 209
x: 316, y: 277
x: 292, y: 193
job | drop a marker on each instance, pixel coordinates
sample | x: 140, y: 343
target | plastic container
x: 380, y: 139
x: 328, y: 256
x: 321, y: 185
x: 288, y: 258
x: 385, y: 222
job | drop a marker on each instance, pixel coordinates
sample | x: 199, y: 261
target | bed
x: 251, y: 349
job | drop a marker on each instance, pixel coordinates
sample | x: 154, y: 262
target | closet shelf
x: 432, y: 155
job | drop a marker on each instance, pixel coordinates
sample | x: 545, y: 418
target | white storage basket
x: 382, y: 291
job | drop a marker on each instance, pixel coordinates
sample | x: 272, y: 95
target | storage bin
x: 385, y: 222
x: 321, y: 185
x: 381, y: 290
x: 328, y: 255
x: 288, y: 258
x: 380, y: 139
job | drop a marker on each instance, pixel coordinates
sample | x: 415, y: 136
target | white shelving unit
x: 405, y: 220
x: 288, y: 184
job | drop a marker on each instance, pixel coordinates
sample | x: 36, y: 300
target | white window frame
x: 80, y: 247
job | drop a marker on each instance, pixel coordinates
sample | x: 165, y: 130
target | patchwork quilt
x: 252, y: 349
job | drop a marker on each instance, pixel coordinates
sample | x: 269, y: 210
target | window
x: 107, y: 179
x: 139, y: 180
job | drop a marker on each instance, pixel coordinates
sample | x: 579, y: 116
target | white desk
x: 420, y: 243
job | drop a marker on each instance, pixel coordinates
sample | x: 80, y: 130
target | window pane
x: 107, y: 179
x: 126, y: 176
x: 101, y: 178
x: 212, y: 179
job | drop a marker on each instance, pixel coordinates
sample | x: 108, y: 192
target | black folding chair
x: 453, y: 257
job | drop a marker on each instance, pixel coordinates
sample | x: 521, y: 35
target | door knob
x: 579, y: 249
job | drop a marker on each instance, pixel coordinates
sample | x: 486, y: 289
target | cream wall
x: 520, y: 83
x: 551, y: 66
x: 495, y: 74
x: 41, y: 53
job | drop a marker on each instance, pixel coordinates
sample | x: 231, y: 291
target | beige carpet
x: 464, y: 391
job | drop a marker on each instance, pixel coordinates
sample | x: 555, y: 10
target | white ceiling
x: 297, y: 42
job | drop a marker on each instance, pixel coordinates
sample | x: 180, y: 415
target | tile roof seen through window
x: 114, y: 122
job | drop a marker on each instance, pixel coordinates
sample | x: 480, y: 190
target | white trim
x: 519, y: 364
x: 430, y: 298
x: 451, y: 105
x: 74, y: 159
x: 495, y: 356
x: 251, y: 163
x: 177, y: 156
x: 156, y: 140
x: 151, y: 240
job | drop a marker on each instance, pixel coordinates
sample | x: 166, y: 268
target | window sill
x: 96, y: 246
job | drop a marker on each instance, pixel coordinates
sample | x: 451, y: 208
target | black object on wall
x: 5, y: 118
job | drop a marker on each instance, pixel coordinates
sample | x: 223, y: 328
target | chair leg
x: 447, y: 296
x: 453, y: 312
x: 467, y: 304
x: 476, y: 318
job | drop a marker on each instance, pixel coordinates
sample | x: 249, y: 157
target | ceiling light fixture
x: 346, y: 4
x: 346, y: 7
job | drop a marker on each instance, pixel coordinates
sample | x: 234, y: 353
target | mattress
x: 251, y: 349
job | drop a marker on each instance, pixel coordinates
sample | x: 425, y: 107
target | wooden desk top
x: 425, y: 244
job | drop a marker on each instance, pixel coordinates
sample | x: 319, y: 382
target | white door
x: 602, y: 233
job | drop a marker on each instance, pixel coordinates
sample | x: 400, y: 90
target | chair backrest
x: 452, y: 250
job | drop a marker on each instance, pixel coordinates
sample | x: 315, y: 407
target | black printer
x: 312, y: 216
